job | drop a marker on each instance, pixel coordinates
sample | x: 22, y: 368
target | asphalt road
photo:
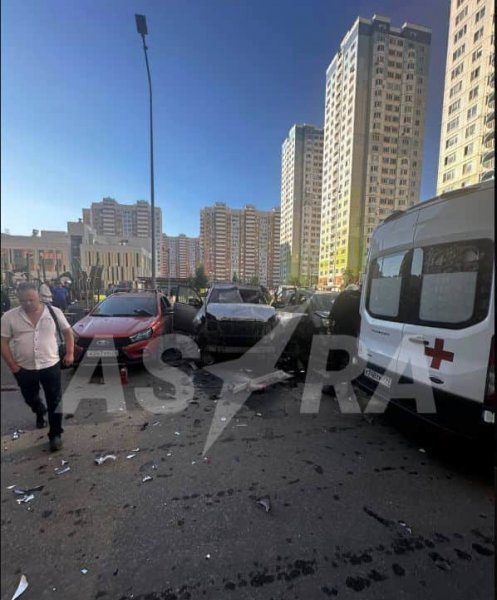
x: 373, y: 509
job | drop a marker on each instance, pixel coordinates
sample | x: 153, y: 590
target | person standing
x: 29, y: 346
x: 60, y: 296
x: 46, y: 292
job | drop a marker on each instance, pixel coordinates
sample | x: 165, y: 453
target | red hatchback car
x: 121, y: 326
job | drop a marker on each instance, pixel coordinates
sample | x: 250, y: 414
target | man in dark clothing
x: 345, y: 318
x: 61, y: 296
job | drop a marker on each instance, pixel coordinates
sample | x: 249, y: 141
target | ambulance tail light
x: 490, y: 401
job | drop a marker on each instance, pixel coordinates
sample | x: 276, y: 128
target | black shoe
x: 40, y: 420
x: 55, y: 443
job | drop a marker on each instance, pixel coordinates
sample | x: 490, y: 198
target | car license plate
x: 101, y: 353
x: 381, y: 379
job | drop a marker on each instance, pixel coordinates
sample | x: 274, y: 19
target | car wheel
x: 171, y: 355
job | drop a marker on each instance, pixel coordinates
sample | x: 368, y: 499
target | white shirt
x: 45, y: 293
x: 33, y: 347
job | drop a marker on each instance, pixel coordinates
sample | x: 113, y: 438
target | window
x: 459, y: 52
x: 454, y: 106
x: 470, y: 130
x: 473, y: 93
x: 448, y: 176
x: 459, y: 34
x: 455, y: 89
x: 450, y: 283
x: 450, y: 159
x: 475, y: 73
x: 472, y: 112
x: 461, y: 15
x: 384, y: 286
x: 479, y: 15
x: 457, y: 71
x: 451, y: 124
x: 467, y: 168
x: 468, y: 150
x: 477, y: 54
x: 478, y: 35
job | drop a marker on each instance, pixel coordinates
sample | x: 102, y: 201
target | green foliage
x: 200, y: 281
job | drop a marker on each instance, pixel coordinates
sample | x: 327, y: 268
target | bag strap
x: 57, y: 325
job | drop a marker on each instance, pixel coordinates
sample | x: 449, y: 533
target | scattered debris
x: 207, y: 460
x: 207, y: 556
x: 84, y: 571
x: 11, y: 487
x: 156, y: 423
x: 169, y: 454
x: 422, y: 450
x: 135, y: 450
x: 21, y: 588
x: 131, y: 455
x: 61, y: 471
x: 25, y: 498
x: 242, y: 424
x: 15, y: 435
x: 146, y: 478
x: 64, y: 462
x: 23, y: 492
x: 177, y: 433
x: 258, y: 414
x: 144, y: 426
x: 101, y: 459
x: 259, y: 383
x: 265, y: 503
x: 223, y: 419
x: 406, y: 527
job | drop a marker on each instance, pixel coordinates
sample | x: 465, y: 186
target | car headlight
x: 142, y: 335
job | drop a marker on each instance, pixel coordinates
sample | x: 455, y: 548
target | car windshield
x: 126, y: 306
x: 323, y: 301
x: 237, y: 296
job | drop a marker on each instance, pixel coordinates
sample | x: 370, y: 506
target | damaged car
x: 233, y: 318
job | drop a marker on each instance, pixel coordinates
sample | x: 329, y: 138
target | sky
x: 229, y: 77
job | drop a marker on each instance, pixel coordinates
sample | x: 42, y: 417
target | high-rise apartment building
x: 180, y: 255
x: 375, y: 106
x: 240, y: 242
x: 467, y: 141
x: 112, y: 219
x: 301, y: 173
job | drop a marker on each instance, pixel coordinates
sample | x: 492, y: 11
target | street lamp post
x: 141, y: 27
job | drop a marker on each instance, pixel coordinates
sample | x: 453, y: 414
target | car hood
x: 112, y: 326
x: 240, y: 312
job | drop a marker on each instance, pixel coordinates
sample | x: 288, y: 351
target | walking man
x: 30, y: 349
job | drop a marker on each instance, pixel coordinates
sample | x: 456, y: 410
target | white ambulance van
x: 427, y: 308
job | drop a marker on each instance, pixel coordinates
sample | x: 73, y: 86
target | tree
x: 254, y: 280
x: 294, y: 281
x: 200, y: 280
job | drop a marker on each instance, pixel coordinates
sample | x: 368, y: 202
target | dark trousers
x: 29, y: 381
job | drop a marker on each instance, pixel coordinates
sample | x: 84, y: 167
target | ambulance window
x: 453, y: 289
x: 385, y: 282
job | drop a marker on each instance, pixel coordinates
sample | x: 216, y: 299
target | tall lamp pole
x: 141, y: 26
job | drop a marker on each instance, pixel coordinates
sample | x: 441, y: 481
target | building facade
x: 301, y: 175
x: 467, y: 140
x: 43, y: 255
x: 112, y: 219
x: 375, y: 105
x: 180, y: 255
x: 241, y: 244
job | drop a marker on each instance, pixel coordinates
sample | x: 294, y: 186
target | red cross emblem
x: 438, y: 354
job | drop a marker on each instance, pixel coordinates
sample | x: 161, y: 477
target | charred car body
x: 233, y: 318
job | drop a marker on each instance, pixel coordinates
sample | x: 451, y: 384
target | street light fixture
x: 141, y: 27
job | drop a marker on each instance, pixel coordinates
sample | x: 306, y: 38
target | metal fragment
x: 265, y: 503
x: 21, y: 588
x: 62, y: 470
x: 101, y: 459
x: 146, y: 478
x: 26, y: 498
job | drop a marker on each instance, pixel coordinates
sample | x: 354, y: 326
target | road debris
x: 25, y: 498
x: 62, y: 470
x: 265, y: 503
x: 422, y: 450
x: 131, y: 455
x: 135, y: 450
x: 405, y: 526
x: 21, y: 588
x: 207, y: 556
x: 11, y: 487
x: 23, y: 492
x: 15, y: 435
x: 146, y: 478
x: 84, y: 571
x: 101, y: 459
x: 177, y: 433
x: 144, y: 426
x: 64, y: 462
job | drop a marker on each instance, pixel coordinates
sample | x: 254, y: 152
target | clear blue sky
x: 230, y: 78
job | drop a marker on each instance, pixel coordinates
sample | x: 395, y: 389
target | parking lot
x: 282, y: 505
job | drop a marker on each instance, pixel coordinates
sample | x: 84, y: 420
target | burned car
x: 233, y: 318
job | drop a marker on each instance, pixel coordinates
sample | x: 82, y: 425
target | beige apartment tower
x: 375, y: 105
x: 180, y: 255
x: 301, y: 173
x: 467, y: 140
x: 241, y: 244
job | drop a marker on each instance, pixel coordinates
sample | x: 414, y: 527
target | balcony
x: 488, y: 137
x: 488, y: 156
x: 489, y: 119
x: 487, y: 175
